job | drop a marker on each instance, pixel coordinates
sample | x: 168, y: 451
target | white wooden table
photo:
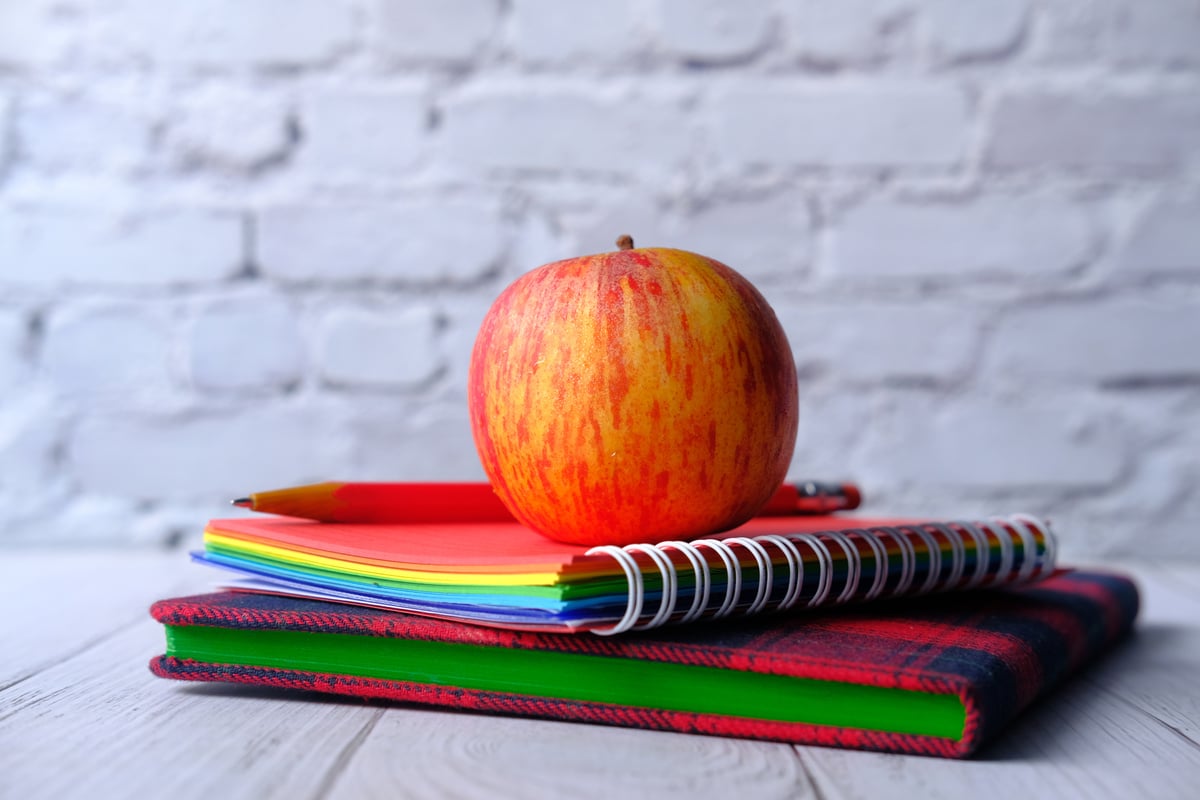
x: 81, y: 716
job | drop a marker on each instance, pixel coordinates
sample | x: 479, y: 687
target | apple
x: 638, y: 395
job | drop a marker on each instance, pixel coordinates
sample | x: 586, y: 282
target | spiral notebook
x: 505, y: 575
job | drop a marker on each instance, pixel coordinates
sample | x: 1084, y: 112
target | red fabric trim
x: 597, y: 713
x: 996, y: 651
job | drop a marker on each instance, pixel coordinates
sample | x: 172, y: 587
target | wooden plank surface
x: 433, y: 754
x: 55, y: 604
x: 1128, y: 726
x: 81, y: 716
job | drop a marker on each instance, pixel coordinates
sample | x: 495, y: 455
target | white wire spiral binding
x: 1006, y: 553
x: 881, y: 563
x: 1029, y: 543
x: 934, y: 551
x: 1004, y: 529
x: 703, y: 577
x: 908, y: 557
x: 853, y: 566
x: 636, y: 591
x: 766, y: 573
x: 795, y: 564
x: 733, y: 573
x: 1046, y: 562
x: 669, y: 584
x: 958, y: 552
x: 983, y: 553
x: 825, y: 578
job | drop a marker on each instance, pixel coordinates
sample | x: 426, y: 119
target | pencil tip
x: 243, y: 502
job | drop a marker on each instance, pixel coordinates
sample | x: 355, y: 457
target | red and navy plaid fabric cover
x: 996, y: 650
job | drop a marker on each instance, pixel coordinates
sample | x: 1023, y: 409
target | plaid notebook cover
x: 996, y: 650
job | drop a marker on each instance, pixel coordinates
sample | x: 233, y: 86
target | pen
x: 812, y: 497
x: 335, y: 501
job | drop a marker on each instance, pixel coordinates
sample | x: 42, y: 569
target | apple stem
x: 625, y: 242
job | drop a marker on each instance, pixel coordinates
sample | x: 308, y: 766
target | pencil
x: 335, y: 501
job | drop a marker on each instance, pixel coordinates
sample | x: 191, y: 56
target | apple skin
x: 639, y: 395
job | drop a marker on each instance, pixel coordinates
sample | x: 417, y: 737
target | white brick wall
x: 449, y: 31
x: 1013, y: 235
x: 1106, y: 132
x: 246, y: 244
x: 881, y: 123
x: 52, y: 248
x: 574, y: 31
x: 229, y: 34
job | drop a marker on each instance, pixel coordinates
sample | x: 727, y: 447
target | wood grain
x: 1125, y: 727
x: 434, y: 754
x: 100, y: 725
x: 81, y: 716
x: 57, y: 603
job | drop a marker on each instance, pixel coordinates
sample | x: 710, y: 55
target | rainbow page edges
x: 505, y: 575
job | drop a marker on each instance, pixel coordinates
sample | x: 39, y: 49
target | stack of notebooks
x: 919, y: 636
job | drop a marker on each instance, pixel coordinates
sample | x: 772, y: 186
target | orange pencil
x: 477, y: 502
x: 335, y: 501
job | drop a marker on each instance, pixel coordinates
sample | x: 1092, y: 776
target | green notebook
x: 936, y: 675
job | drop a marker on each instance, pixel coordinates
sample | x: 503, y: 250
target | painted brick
x: 941, y: 199
x: 1157, y: 509
x: 850, y: 32
x: 248, y: 343
x: 1112, y: 340
x: 1044, y: 443
x: 539, y: 239
x: 569, y: 30
x: 1165, y: 239
x: 764, y: 238
x: 233, y: 33
x: 971, y: 31
x: 237, y: 130
x: 463, y: 315
x: 712, y: 30
x: 116, y: 351
x: 175, y: 524
x: 840, y: 124
x: 1164, y: 32
x: 873, y: 342
x: 553, y: 126
x: 7, y: 145
x: 30, y: 433
x: 639, y: 214
x: 375, y: 348
x: 830, y: 428
x: 211, y: 456
x: 450, y: 30
x: 92, y: 521
x: 51, y: 247
x: 393, y: 446
x: 14, y: 341
x: 417, y: 240
x: 28, y: 35
x: 1111, y: 132
x: 379, y: 131
x: 990, y: 235
x: 67, y: 132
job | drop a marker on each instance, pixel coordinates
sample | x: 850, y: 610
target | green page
x: 574, y: 676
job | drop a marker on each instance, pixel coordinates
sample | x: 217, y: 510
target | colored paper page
x: 373, y: 568
x: 454, y: 546
x: 463, y: 546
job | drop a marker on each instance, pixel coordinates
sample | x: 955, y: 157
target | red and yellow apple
x: 638, y: 395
